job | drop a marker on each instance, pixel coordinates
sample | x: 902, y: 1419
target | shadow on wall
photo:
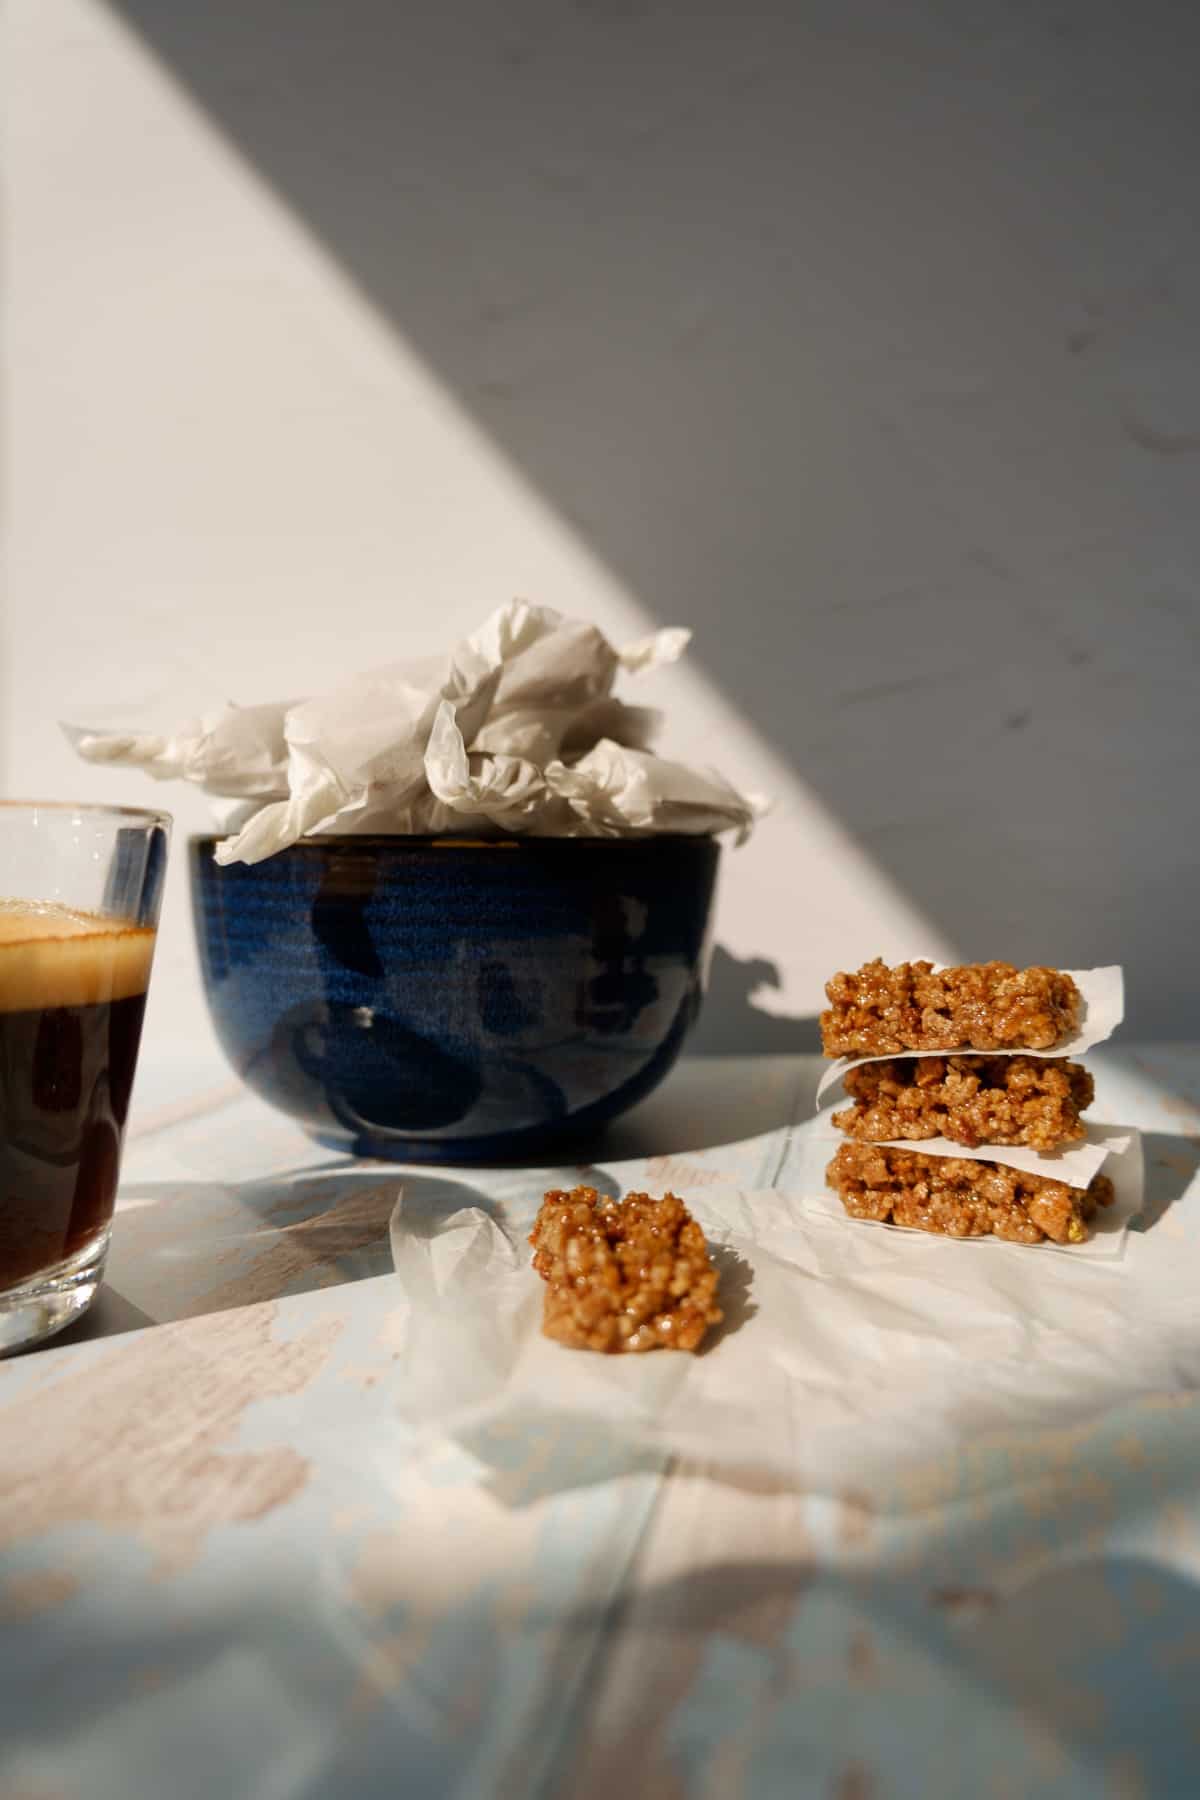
x: 732, y: 1025
x: 862, y: 339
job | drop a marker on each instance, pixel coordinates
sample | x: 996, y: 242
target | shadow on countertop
x: 1085, y: 1667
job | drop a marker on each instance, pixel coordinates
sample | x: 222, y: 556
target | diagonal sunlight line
x: 364, y: 328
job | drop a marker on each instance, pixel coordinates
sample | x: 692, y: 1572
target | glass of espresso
x: 80, y: 888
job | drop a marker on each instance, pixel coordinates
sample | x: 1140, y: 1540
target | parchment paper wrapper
x: 1073, y: 1163
x: 1103, y: 995
x: 1120, y: 1157
x: 847, y: 1348
x: 515, y: 731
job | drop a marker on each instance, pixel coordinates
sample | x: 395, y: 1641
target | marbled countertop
x: 226, y: 1567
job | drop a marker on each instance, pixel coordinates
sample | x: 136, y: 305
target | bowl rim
x: 402, y: 841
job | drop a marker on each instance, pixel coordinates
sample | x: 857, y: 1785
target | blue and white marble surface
x: 226, y: 1567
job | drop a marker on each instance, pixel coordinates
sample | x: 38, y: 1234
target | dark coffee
x: 72, y: 997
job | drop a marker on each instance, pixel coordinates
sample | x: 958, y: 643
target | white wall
x: 864, y: 339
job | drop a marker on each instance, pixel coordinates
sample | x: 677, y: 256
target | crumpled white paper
x: 847, y: 1347
x: 1103, y: 995
x: 1073, y: 1163
x: 516, y: 730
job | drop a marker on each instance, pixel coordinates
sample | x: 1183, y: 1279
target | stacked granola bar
x: 949, y: 1062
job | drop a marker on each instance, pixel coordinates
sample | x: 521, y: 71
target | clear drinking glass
x: 80, y: 888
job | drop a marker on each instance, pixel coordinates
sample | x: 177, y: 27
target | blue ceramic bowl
x: 426, y: 999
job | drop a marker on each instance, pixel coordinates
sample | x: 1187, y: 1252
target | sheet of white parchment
x: 1073, y: 1163
x: 1103, y: 993
x: 1119, y: 1153
x: 846, y: 1346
